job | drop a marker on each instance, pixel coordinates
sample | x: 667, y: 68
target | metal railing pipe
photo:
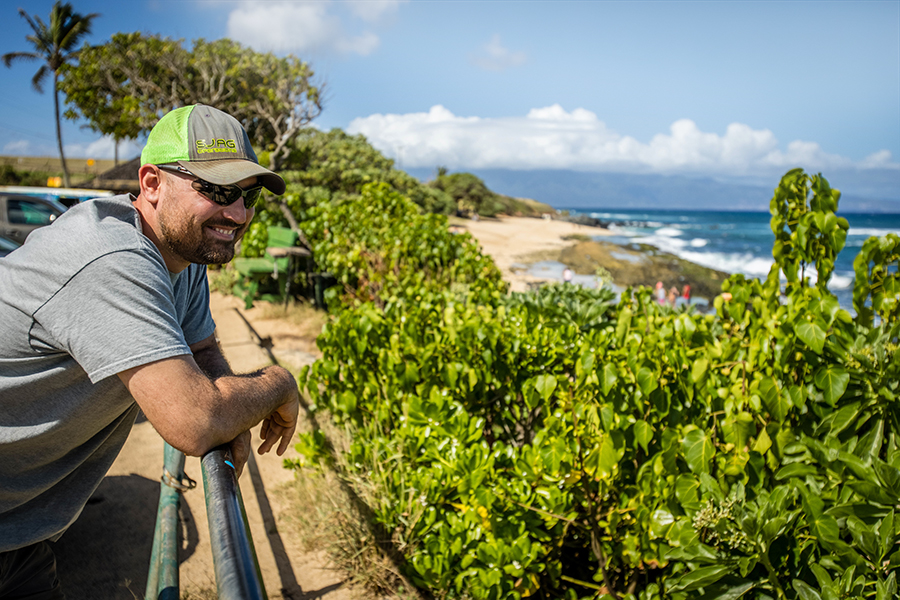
x: 162, y: 579
x: 237, y: 571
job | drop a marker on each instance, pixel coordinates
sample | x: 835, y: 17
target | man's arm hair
x: 208, y: 356
x: 194, y: 410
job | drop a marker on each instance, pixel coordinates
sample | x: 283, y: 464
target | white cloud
x: 105, y: 148
x: 20, y: 148
x: 496, y: 57
x: 552, y: 138
x: 373, y: 10
x: 303, y: 27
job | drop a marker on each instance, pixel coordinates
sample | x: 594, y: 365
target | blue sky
x: 731, y: 90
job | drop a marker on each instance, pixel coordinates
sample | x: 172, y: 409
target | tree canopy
x: 122, y: 87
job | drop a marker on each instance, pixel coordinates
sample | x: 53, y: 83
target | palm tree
x: 55, y: 45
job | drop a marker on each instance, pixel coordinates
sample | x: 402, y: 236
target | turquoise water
x: 734, y: 242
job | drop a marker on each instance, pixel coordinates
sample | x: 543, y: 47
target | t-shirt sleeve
x: 197, y: 323
x: 118, y: 312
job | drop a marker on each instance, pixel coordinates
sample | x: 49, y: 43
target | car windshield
x: 7, y: 246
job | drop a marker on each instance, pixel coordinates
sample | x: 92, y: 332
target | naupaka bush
x: 557, y: 445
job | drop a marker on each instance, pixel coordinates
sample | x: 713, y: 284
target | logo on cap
x: 216, y: 145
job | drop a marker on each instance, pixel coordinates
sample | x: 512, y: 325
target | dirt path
x: 105, y: 555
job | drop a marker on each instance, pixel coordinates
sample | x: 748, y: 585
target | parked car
x: 68, y: 197
x: 20, y: 214
x: 7, y: 246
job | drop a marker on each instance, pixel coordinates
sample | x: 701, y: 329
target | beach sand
x: 516, y: 243
x: 523, y: 240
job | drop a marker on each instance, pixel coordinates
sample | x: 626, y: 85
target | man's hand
x: 280, y: 425
x: 240, y: 452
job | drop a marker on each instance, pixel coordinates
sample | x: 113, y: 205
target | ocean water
x: 734, y: 242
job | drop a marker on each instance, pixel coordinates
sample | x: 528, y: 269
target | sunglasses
x: 223, y: 195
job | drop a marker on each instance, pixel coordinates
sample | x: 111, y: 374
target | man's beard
x: 185, y: 238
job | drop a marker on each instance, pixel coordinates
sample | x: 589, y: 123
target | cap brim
x: 229, y: 172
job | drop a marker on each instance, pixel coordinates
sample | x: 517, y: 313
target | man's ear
x: 150, y: 177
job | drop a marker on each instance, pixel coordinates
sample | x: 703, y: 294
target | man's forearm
x: 209, y: 357
x: 194, y: 412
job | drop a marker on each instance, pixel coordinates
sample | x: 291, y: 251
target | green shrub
x: 558, y: 446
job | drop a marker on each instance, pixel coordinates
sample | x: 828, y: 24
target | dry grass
x: 325, y: 517
x: 300, y: 314
x: 332, y: 512
x: 200, y: 594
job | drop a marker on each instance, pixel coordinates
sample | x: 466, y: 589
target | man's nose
x: 237, y: 212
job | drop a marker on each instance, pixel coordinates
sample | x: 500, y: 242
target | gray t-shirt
x: 82, y: 300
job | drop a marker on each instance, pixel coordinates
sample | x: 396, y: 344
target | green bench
x: 280, y: 262
x: 271, y: 262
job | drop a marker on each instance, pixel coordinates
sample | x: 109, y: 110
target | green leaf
x: 608, y: 377
x: 643, y: 433
x: 702, y: 577
x: 775, y: 402
x: 887, y: 590
x: 805, y: 591
x: 795, y: 470
x: 832, y: 380
x: 545, y: 384
x: 698, y: 450
x: 647, y: 380
x: 813, y: 334
x: 686, y: 490
x: 872, y: 492
x: 609, y: 457
x: 763, y: 442
x: 886, y: 534
x: 825, y: 528
x: 723, y: 592
x: 888, y: 476
x: 661, y: 522
x: 698, y: 369
x: 863, y: 537
x: 842, y: 418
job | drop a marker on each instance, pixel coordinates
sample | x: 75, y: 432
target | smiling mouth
x: 223, y: 233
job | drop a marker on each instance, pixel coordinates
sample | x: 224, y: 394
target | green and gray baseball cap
x: 210, y: 144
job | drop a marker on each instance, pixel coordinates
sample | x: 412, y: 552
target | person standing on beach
x: 660, y: 292
x: 673, y: 295
x: 105, y: 313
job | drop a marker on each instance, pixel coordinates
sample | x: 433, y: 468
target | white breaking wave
x: 668, y: 231
x: 870, y: 231
x: 840, y: 282
x: 745, y: 263
x: 698, y: 242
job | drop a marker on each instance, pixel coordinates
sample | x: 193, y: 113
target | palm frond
x: 10, y: 57
x: 37, y: 82
x: 76, y: 28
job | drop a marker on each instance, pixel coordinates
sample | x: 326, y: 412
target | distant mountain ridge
x: 583, y: 190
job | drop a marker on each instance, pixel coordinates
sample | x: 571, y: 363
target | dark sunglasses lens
x: 251, y: 196
x: 226, y: 195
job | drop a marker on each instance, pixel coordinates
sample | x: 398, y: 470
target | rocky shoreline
x: 516, y: 243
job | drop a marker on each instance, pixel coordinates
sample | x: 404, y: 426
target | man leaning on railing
x: 105, y: 313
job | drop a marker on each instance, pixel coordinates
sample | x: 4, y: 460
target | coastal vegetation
x: 559, y: 445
